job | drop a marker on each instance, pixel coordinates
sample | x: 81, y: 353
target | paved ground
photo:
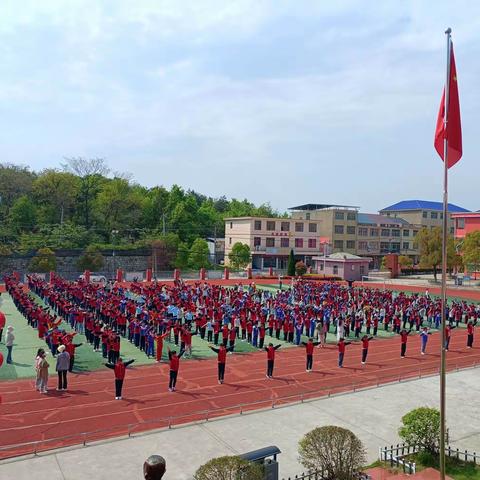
x: 374, y: 415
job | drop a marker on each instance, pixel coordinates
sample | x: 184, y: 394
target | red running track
x: 89, y: 412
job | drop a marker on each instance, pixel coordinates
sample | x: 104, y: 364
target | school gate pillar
x: 149, y: 275
x: 391, y: 261
x: 270, y: 272
x: 226, y: 274
x: 119, y: 276
x: 86, y: 276
x: 249, y: 273
x: 203, y: 274
x: 176, y: 274
x: 51, y: 277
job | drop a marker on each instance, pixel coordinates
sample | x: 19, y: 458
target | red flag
x: 453, y: 132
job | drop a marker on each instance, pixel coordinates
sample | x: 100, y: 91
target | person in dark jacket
x: 63, y: 363
x: 119, y: 370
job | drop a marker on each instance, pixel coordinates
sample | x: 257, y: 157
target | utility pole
x: 163, y: 223
x: 214, y: 245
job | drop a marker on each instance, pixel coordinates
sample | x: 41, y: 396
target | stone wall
x: 128, y: 261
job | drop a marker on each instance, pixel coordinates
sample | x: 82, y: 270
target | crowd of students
x: 148, y: 314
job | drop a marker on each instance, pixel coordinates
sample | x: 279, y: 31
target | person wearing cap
x: 63, y: 363
x: 9, y: 339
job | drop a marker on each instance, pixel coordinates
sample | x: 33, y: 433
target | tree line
x: 83, y: 204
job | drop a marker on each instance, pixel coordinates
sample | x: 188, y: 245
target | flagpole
x: 444, y: 267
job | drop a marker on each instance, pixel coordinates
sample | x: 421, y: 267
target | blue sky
x: 284, y: 102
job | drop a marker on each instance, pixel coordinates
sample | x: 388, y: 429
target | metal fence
x: 321, y: 475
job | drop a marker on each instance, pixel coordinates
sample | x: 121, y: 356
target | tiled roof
x: 423, y: 205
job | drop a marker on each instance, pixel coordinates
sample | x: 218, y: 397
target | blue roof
x: 423, y: 205
x: 375, y: 219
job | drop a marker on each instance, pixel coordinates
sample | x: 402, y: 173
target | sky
x: 286, y: 102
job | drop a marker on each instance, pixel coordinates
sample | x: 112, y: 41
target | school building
x: 314, y: 230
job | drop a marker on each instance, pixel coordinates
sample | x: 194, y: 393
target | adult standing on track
x: 63, y: 362
x: 365, y: 342
x: 403, y: 340
x: 341, y: 351
x: 119, y: 370
x: 42, y: 371
x: 470, y: 330
x: 174, y: 366
x: 448, y: 334
x: 309, y: 350
x: 271, y: 358
x: 9, y: 339
x: 222, y: 360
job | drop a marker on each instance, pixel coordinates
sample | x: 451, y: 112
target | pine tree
x: 291, y: 264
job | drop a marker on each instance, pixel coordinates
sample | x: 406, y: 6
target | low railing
x: 320, y: 475
x: 86, y: 438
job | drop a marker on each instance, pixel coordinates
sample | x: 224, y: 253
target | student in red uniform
x: 2, y: 324
x: 174, y: 366
x: 119, y: 370
x: 341, y: 351
x: 448, y: 335
x: 403, y: 339
x: 365, y: 341
x: 271, y: 358
x: 232, y: 335
x: 470, y: 330
x: 222, y: 360
x: 309, y: 350
x: 159, y: 340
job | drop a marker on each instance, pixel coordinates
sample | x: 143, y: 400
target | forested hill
x: 82, y: 203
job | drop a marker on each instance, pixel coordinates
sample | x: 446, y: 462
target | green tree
x: 44, y: 261
x: 421, y: 427
x: 23, y: 215
x: 471, y: 250
x: 55, y: 192
x: 430, y: 246
x: 15, y: 182
x: 239, y: 256
x: 300, y: 268
x: 199, y: 254
x: 183, y: 253
x: 291, y: 264
x: 229, y: 468
x: 91, y: 174
x: 333, y: 450
x: 92, y: 259
x: 405, y: 261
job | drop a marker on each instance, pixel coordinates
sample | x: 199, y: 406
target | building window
x: 406, y: 245
x: 270, y: 242
x: 339, y: 216
x: 335, y: 269
x: 384, y: 246
x: 441, y: 216
x: 351, y: 216
x: 257, y: 225
x: 321, y: 266
x: 284, y: 242
x: 298, y: 226
x: 460, y: 223
x: 312, y: 243
x: 374, y: 232
x: 395, y: 232
x: 385, y: 232
x: 433, y: 215
x: 373, y: 245
x: 406, y: 233
x: 452, y: 230
x: 424, y: 214
x: 351, y: 230
x: 395, y: 246
x: 231, y: 225
x: 415, y: 233
x: 338, y: 244
x: 339, y: 229
x: 285, y: 226
x: 312, y: 227
x: 362, y: 269
x: 363, y: 245
x: 307, y: 216
x: 362, y: 231
x: 351, y: 244
x: 299, y: 243
x: 230, y: 240
x: 257, y: 241
x: 270, y: 225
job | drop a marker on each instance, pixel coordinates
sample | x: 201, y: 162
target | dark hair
x: 40, y: 351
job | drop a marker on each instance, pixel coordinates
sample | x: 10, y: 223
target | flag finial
x: 448, y: 31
